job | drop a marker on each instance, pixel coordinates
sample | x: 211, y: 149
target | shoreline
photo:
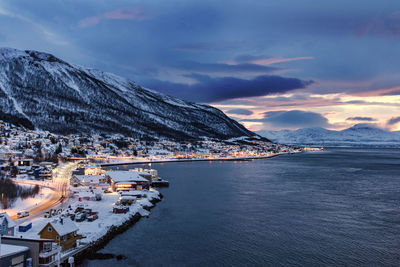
x: 91, y: 250
x: 117, y: 163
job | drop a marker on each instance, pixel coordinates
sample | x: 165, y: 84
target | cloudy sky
x: 273, y: 64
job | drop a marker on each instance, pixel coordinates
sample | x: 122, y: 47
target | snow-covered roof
x: 4, y: 149
x: 89, y: 178
x: 7, y: 250
x: 3, y: 216
x: 125, y: 176
x: 25, y: 160
x: 128, y: 198
x: 92, y: 167
x: 123, y: 182
x: 64, y: 228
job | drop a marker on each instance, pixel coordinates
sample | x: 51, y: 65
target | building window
x: 49, y: 229
x: 65, y: 238
x: 47, y: 247
x: 58, y: 237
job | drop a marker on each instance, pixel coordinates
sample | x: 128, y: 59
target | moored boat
x: 159, y: 182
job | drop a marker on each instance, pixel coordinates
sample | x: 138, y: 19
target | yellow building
x: 62, y: 232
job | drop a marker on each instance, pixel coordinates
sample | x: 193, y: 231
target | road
x: 59, y: 195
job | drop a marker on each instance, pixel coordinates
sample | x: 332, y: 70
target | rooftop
x: 67, y: 226
x: 89, y: 178
x: 4, y: 215
x: 7, y: 250
x: 125, y: 176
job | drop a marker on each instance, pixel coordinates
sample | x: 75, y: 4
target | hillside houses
x: 22, y: 151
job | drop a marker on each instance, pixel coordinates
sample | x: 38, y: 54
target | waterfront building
x: 62, y: 232
x: 41, y: 251
x: 149, y: 174
x: 127, y: 180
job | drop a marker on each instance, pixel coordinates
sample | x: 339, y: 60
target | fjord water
x: 338, y: 207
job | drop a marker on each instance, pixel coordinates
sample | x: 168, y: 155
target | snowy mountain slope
x: 39, y: 90
x: 359, y: 134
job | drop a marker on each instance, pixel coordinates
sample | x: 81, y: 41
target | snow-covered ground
x: 96, y: 229
x: 24, y: 204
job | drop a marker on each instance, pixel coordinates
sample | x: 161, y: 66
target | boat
x: 159, y: 182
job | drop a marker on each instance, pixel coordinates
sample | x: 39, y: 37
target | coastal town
x: 73, y: 203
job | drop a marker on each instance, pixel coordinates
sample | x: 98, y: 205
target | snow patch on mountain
x: 40, y: 90
x: 359, y: 134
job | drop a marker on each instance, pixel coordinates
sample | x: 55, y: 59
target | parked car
x: 88, y: 212
x: 47, y: 214
x: 92, y: 218
x: 120, y: 209
x: 78, y: 209
x: 80, y: 217
x: 22, y: 214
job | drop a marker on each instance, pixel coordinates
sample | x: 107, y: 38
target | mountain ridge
x: 359, y: 134
x: 42, y: 91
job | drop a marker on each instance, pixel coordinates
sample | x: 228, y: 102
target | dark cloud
x: 393, y: 121
x: 240, y: 111
x: 392, y: 92
x: 292, y: 119
x: 208, y: 89
x: 360, y: 119
x: 221, y: 67
x: 356, y: 102
x: 159, y: 34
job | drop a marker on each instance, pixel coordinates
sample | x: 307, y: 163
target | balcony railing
x: 54, y: 250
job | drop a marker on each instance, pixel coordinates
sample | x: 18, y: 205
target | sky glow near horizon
x: 268, y: 64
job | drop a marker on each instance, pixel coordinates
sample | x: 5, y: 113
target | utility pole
x: 58, y: 254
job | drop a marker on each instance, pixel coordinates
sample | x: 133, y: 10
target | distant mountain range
x: 359, y: 134
x: 39, y: 90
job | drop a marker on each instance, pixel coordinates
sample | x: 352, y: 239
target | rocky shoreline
x: 91, y: 251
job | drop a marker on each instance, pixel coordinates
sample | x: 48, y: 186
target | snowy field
x: 30, y: 202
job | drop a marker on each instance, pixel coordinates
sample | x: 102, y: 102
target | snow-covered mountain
x: 42, y: 91
x: 359, y: 134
